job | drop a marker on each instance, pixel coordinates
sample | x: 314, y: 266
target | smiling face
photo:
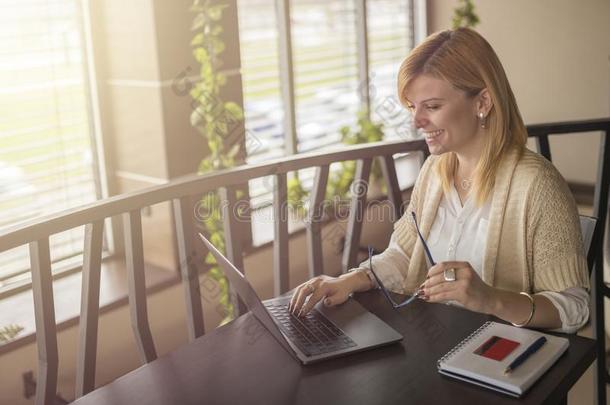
x: 447, y: 116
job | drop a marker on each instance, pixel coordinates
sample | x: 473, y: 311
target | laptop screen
x: 247, y: 294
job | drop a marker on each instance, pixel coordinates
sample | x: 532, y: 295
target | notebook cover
x: 483, y: 356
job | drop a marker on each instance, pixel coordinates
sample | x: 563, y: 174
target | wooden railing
x: 182, y: 193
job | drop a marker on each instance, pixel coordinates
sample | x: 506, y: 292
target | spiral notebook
x: 483, y: 356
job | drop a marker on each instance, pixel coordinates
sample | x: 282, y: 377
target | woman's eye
x: 432, y: 107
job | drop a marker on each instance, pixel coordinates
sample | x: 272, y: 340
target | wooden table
x: 240, y: 363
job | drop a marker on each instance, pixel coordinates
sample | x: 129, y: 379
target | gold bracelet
x: 520, y: 325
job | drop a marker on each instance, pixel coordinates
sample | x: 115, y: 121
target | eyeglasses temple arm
x: 381, y: 286
x: 423, y: 241
x: 408, y: 301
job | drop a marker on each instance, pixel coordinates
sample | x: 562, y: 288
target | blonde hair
x: 465, y: 59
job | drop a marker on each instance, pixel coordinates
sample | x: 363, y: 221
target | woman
x: 499, y: 219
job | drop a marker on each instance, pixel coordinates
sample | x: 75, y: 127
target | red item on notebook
x: 497, y: 348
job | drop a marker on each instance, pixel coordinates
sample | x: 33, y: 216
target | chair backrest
x: 593, y: 232
x: 587, y: 226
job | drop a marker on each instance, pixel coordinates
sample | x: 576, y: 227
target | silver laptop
x: 323, y: 334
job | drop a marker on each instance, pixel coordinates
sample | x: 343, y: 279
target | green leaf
x: 206, y: 72
x: 227, y: 319
x: 210, y: 259
x: 201, y: 55
x: 195, y: 92
x: 222, y: 127
x: 217, y: 239
x: 218, y: 46
x: 235, y: 110
x: 197, y: 39
x: 215, y: 12
x: 196, y: 116
x: 221, y: 79
x: 198, y: 22
x: 9, y: 332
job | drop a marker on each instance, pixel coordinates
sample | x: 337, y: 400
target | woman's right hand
x: 332, y: 290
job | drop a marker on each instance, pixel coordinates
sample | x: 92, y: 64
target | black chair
x: 593, y: 234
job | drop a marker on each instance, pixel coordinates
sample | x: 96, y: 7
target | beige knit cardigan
x: 534, y: 241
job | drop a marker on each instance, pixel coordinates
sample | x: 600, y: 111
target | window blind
x: 326, y: 74
x: 263, y: 110
x: 47, y: 159
x: 390, y: 33
x: 326, y: 70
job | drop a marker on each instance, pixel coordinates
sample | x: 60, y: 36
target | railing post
x: 388, y: 168
x: 356, y: 214
x: 90, y: 307
x: 316, y: 212
x: 233, y: 248
x: 44, y: 313
x: 134, y: 256
x: 189, y: 270
x: 280, y: 243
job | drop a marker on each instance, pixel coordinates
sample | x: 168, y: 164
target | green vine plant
x: 216, y: 120
x: 464, y: 15
x: 9, y: 333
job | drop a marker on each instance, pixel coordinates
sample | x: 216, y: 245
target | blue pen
x: 533, y: 348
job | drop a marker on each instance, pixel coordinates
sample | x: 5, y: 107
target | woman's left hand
x: 468, y: 289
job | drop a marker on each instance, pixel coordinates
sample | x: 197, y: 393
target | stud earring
x: 482, y: 120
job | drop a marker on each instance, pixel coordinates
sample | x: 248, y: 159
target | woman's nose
x: 419, y: 119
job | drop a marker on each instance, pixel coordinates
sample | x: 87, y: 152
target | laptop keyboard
x: 314, y: 334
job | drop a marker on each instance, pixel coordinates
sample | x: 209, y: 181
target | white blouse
x: 459, y: 233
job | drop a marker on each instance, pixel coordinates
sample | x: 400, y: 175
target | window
x: 47, y: 154
x: 325, y: 53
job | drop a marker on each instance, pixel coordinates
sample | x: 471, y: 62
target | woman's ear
x: 484, y: 103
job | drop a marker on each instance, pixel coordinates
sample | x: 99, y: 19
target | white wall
x: 556, y: 54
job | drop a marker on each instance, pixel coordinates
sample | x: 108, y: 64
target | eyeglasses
x: 384, y: 290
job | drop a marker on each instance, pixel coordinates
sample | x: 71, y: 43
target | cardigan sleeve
x: 392, y: 265
x: 573, y: 307
x: 555, y: 250
x: 389, y: 267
